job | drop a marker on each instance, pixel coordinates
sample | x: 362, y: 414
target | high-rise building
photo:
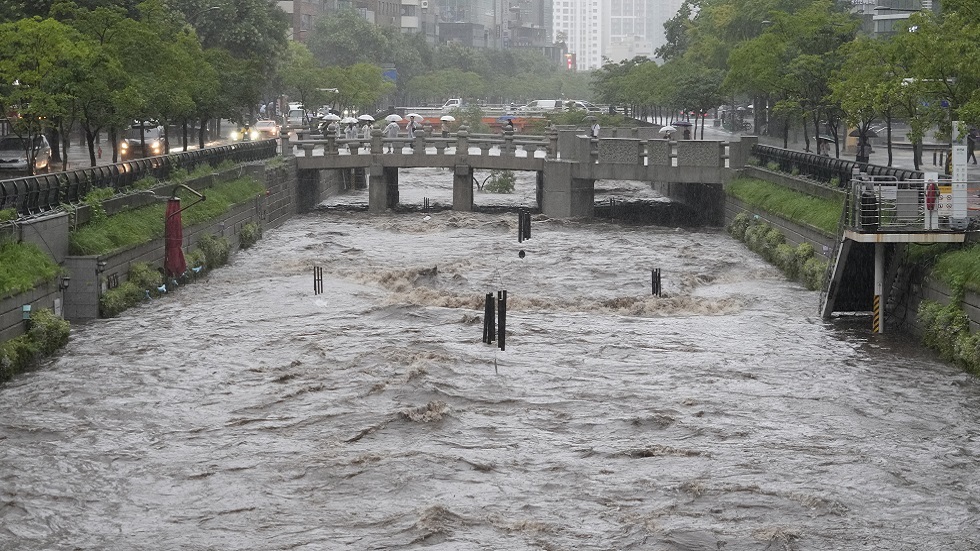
x: 579, y: 22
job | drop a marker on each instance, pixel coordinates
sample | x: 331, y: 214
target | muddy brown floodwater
x: 245, y: 413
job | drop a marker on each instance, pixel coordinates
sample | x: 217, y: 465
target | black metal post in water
x: 526, y: 215
x: 488, y: 324
x: 655, y: 281
x: 520, y: 226
x: 502, y: 312
x: 425, y: 205
x: 317, y: 280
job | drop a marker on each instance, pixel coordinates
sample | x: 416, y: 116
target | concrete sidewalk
x: 901, y: 156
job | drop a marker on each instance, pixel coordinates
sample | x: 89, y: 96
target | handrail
x: 31, y: 195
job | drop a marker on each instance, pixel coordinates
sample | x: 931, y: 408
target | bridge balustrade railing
x: 506, y: 144
x: 31, y: 195
x: 823, y: 168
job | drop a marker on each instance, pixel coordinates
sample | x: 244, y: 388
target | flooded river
x: 245, y: 413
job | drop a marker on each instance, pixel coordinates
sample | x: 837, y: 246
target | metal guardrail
x: 886, y: 205
x: 825, y: 169
x: 31, y: 195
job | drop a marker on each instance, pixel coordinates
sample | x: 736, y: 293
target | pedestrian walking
x: 595, y: 129
x: 391, y: 132
x: 366, y: 130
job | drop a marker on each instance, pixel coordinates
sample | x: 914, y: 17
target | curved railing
x: 825, y: 169
x: 35, y: 194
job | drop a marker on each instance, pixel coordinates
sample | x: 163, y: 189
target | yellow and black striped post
x: 876, y: 324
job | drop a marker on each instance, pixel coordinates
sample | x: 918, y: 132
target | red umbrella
x: 173, y: 261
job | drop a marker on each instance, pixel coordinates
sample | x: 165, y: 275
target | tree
x: 39, y: 53
x: 302, y: 78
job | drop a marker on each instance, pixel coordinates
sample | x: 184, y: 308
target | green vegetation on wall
x: 23, y: 266
x: 144, y: 224
x: 47, y: 333
x: 823, y: 214
x: 797, y: 263
x: 144, y: 281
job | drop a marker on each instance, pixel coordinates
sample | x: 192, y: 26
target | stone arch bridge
x: 567, y: 164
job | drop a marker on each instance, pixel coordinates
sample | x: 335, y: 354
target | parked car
x: 583, y: 105
x: 142, y: 140
x: 14, y: 155
x: 266, y: 129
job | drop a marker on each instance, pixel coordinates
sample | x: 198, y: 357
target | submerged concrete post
x: 563, y: 195
x: 382, y: 188
x: 463, y: 188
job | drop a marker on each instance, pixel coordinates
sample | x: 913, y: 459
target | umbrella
x: 331, y: 117
x: 413, y: 115
x: 174, y: 263
x: 448, y: 118
x: 868, y: 132
x: 668, y: 129
x: 394, y: 117
x: 366, y: 118
x: 505, y: 118
x: 348, y: 120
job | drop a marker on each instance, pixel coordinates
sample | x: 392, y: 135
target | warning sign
x: 944, y: 203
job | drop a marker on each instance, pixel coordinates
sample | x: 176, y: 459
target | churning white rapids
x: 244, y: 413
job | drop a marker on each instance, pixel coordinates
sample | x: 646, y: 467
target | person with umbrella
x: 391, y: 131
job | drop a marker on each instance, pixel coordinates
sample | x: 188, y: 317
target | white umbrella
x: 394, y: 117
x: 348, y: 120
x: 413, y: 115
x: 448, y: 118
x: 331, y: 117
x: 366, y: 118
x: 668, y: 129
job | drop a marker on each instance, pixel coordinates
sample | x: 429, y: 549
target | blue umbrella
x: 505, y: 118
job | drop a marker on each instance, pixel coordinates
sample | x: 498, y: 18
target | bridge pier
x: 382, y: 188
x: 564, y: 196
x: 463, y: 188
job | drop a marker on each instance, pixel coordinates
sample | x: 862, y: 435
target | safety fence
x: 32, y: 195
x: 883, y: 205
x: 826, y: 169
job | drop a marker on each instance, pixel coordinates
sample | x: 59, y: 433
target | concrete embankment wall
x: 922, y: 287
x: 90, y: 276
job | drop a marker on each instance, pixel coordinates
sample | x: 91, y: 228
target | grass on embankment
x: 957, y: 268
x: 23, y: 266
x: 126, y: 229
x: 820, y: 213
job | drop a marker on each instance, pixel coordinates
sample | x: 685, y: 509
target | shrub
x: 142, y: 279
x: 250, y: 235
x: 94, y: 199
x: 795, y: 171
x: 785, y: 258
x: 753, y: 161
x: 215, y: 249
x: 147, y: 182
x: 47, y: 333
x: 739, y: 224
x: 813, y: 274
x: 835, y: 181
x: 501, y: 181
x: 773, y: 166
x: 6, y: 215
x: 178, y: 175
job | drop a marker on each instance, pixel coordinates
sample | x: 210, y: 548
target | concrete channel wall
x: 90, y: 276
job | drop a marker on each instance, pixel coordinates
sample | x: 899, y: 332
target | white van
x: 296, y: 118
x: 541, y: 105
